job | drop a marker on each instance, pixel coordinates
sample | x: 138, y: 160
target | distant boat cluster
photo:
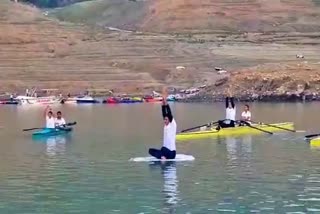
x: 50, y: 100
x: 33, y: 99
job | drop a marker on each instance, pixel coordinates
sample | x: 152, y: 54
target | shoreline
x: 270, y: 98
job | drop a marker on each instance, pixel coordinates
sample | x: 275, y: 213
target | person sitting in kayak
x: 59, y: 121
x: 230, y: 113
x: 246, y: 114
x: 50, y: 120
x: 168, y: 150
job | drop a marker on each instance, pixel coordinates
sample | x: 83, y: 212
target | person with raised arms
x: 168, y: 150
x: 49, y: 117
x: 230, y: 113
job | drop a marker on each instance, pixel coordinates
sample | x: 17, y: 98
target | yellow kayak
x: 240, y: 130
x: 315, y: 142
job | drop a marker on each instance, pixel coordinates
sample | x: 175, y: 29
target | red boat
x: 151, y: 99
x: 111, y: 100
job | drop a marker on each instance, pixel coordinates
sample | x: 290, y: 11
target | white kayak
x: 179, y: 157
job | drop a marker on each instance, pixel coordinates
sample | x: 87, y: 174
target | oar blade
x: 274, y: 126
x: 31, y: 129
x: 312, y: 136
x: 197, y: 127
x: 253, y: 127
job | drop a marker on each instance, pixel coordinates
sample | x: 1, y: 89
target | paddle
x: 68, y: 124
x: 253, y: 127
x: 196, y: 127
x: 312, y: 135
x: 290, y: 130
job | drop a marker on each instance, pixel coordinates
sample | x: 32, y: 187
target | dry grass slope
x: 38, y: 51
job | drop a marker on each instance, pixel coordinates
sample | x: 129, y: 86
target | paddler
x: 230, y: 113
x: 246, y: 114
x: 50, y: 120
x: 59, y: 121
x: 168, y: 150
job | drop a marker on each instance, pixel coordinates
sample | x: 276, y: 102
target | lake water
x: 89, y: 171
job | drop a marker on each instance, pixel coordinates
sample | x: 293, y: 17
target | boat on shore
x: 9, y: 102
x: 239, y: 130
x: 69, y: 100
x: 86, y: 99
x: 151, y: 99
x: 119, y: 100
x: 30, y: 100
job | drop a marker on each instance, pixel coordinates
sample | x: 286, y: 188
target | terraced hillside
x: 38, y: 50
x: 198, y: 16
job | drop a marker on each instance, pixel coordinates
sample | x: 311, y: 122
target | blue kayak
x: 52, y: 132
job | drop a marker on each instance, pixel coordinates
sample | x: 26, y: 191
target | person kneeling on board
x: 168, y: 150
x: 230, y: 114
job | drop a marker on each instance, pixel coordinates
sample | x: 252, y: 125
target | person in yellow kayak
x: 168, y: 149
x: 246, y: 114
x: 230, y: 113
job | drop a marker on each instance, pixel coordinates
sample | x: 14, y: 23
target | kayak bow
x: 52, y: 132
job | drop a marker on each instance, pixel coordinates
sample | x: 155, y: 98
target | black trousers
x: 163, y: 152
x: 226, y: 123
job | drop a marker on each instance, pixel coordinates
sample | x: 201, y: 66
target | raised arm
x: 45, y: 113
x: 227, y: 102
x: 232, y: 102
x: 166, y: 112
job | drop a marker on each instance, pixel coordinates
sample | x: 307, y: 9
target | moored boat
x: 28, y: 100
x: 151, y: 99
x: 32, y: 98
x: 69, y: 100
x: 9, y: 102
x: 118, y: 100
x: 240, y: 130
x: 111, y: 100
x: 51, y: 132
x: 171, y: 98
x: 86, y: 99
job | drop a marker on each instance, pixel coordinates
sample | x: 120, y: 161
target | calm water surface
x: 89, y: 172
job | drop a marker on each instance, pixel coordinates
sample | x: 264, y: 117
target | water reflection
x: 239, y: 150
x: 54, y: 144
x: 170, y: 185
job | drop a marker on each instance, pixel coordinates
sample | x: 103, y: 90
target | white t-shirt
x: 50, y: 122
x: 169, y: 135
x: 231, y: 113
x: 246, y: 115
x: 60, y: 122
